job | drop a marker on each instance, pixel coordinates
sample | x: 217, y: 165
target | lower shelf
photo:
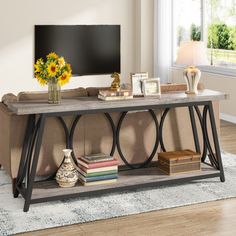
x: 128, y: 179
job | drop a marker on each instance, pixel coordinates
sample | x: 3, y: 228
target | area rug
x: 60, y: 213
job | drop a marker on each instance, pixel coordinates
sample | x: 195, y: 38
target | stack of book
x: 97, y: 169
x: 109, y: 95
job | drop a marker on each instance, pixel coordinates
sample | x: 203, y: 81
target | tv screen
x: 90, y: 49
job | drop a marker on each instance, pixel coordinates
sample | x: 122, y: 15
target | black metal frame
x: 72, y: 131
x: 35, y: 128
x: 149, y: 159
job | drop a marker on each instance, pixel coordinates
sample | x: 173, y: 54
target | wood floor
x: 228, y: 137
x: 206, y: 219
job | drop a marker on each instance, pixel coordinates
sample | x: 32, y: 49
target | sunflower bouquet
x: 53, y: 70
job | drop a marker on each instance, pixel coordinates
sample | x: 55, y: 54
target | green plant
x: 221, y: 36
x: 213, y: 39
x: 232, y: 38
x: 195, y: 32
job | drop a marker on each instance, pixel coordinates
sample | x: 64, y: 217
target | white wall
x: 144, y: 36
x: 17, y: 20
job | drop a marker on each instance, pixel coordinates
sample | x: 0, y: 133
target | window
x: 187, y: 22
x: 214, y: 22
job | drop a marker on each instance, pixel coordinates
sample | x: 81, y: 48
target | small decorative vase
x: 192, y: 76
x: 67, y: 175
x: 54, y: 92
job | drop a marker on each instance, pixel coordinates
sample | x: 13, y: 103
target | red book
x: 98, y: 164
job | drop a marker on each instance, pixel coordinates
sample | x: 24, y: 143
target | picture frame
x: 151, y: 87
x: 136, y: 82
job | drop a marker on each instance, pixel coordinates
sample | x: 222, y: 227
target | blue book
x: 97, y: 178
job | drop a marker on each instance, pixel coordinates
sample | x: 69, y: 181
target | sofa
x: 92, y: 134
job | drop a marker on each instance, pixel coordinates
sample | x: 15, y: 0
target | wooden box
x: 177, y: 162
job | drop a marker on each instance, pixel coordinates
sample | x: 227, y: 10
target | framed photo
x: 136, y: 81
x: 151, y: 87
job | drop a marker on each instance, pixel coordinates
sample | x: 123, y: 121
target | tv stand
x: 130, y: 176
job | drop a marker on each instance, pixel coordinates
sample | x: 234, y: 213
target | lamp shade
x: 192, y: 53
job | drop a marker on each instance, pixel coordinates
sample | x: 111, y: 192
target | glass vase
x: 54, y: 92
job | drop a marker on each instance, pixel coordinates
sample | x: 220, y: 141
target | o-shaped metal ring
x: 73, y: 130
x: 161, y: 129
x: 204, y: 153
x: 206, y: 140
x: 140, y: 165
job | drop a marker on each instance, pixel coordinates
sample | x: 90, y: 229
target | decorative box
x: 178, y: 162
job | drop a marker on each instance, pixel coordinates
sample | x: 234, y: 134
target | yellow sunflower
x: 64, y: 78
x: 61, y: 62
x: 68, y: 68
x: 37, y: 68
x: 39, y: 61
x: 52, y: 55
x: 52, y: 69
x: 41, y: 80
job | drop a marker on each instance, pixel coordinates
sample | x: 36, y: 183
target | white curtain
x: 163, y: 39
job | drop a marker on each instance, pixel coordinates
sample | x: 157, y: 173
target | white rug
x: 52, y: 214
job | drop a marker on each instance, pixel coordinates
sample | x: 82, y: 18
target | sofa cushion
x: 93, y: 91
x: 165, y: 88
x: 9, y: 97
x: 67, y: 93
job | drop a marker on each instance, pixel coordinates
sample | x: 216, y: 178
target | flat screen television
x: 90, y: 49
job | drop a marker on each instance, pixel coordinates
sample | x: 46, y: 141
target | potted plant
x: 54, y: 72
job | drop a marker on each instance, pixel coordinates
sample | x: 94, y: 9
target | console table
x: 130, y: 176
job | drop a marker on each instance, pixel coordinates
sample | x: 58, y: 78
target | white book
x: 99, y: 169
x: 114, y: 98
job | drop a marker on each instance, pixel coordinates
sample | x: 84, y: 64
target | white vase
x: 67, y: 175
x: 192, y: 76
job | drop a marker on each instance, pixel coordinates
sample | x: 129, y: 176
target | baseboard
x: 228, y: 118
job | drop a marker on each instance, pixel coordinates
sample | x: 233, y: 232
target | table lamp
x: 192, y: 53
